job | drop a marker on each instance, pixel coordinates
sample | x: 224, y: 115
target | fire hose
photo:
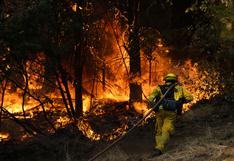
x: 134, y: 126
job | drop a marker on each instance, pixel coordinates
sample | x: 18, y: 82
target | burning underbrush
x: 39, y: 104
x: 109, y: 115
x: 107, y: 122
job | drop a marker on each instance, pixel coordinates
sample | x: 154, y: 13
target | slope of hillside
x: 205, y: 133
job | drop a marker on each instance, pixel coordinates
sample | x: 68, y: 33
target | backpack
x: 169, y: 102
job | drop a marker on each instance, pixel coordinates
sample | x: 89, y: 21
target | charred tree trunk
x: 79, y: 58
x: 1, y: 9
x: 104, y: 76
x: 135, y: 68
x: 78, y: 91
x: 134, y: 51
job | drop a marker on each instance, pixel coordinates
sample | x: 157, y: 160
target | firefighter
x: 167, y: 112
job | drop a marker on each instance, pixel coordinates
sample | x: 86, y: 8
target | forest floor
x: 205, y: 133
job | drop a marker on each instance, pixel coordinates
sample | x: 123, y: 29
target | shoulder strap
x: 170, y: 94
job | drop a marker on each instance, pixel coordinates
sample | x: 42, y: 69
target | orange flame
x: 201, y: 82
x: 4, y: 136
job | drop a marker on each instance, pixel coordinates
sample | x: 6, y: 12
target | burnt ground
x: 203, y: 133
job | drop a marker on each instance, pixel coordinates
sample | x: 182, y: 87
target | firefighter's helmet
x: 170, y: 77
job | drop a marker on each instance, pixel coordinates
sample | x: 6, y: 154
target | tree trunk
x: 78, y: 91
x: 4, y: 85
x: 150, y: 71
x: 134, y: 51
x: 103, y: 76
x: 135, y: 68
x: 79, y: 56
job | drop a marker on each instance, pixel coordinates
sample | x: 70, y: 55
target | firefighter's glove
x: 148, y: 116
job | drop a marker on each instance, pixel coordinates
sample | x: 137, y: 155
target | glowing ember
x: 25, y: 137
x: 86, y: 129
x: 62, y: 121
x: 4, y: 136
x: 140, y: 107
x: 86, y: 104
x: 74, y: 7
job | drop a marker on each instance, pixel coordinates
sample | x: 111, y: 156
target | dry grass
x: 114, y: 154
x: 196, y: 150
x: 208, y: 135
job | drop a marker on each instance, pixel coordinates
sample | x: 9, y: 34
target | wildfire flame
x: 201, y: 81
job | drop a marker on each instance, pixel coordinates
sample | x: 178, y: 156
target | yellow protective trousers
x: 164, y: 127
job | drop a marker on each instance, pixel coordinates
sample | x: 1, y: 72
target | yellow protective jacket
x: 180, y: 93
